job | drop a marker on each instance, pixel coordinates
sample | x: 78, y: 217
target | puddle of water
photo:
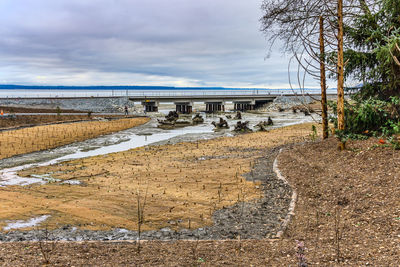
x: 23, y: 224
x: 9, y: 177
x: 47, y: 178
x: 72, y: 182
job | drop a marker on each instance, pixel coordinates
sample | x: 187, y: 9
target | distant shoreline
x: 134, y: 87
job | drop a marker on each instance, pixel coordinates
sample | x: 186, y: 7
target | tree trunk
x: 323, y: 79
x: 340, y: 69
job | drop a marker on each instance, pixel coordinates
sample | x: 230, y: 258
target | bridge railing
x: 153, y: 93
x: 249, y: 92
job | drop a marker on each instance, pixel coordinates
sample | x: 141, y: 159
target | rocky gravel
x: 94, y: 104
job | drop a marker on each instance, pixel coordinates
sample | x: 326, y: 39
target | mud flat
x: 197, y: 185
x: 248, y: 220
x: 31, y: 139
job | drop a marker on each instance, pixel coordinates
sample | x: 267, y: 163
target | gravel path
x: 247, y: 220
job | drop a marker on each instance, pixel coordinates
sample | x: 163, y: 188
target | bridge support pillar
x: 150, y: 106
x: 244, y: 105
x: 184, y: 107
x: 212, y: 107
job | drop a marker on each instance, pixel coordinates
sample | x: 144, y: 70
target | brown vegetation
x: 186, y: 183
x: 30, y: 139
x: 20, y: 121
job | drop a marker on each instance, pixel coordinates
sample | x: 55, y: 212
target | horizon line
x: 17, y: 86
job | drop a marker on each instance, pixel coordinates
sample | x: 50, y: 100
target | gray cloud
x: 157, y: 42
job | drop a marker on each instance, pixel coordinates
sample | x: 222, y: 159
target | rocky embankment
x: 93, y: 104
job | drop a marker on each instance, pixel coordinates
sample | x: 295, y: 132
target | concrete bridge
x: 214, y: 100
x: 214, y: 103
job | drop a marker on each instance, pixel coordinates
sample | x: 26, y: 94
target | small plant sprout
x: 313, y: 134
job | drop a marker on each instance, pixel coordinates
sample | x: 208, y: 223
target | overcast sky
x: 137, y: 42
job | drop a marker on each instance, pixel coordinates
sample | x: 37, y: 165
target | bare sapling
x: 338, y: 234
x: 194, y: 250
x: 141, y: 204
x: 46, y: 246
x: 239, y: 218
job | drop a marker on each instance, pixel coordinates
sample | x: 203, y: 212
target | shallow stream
x: 147, y: 134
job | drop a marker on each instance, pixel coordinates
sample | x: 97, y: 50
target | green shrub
x: 369, y: 117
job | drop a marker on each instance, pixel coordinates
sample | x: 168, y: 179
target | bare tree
x: 313, y: 31
x: 301, y: 25
x: 324, y: 106
x: 340, y: 72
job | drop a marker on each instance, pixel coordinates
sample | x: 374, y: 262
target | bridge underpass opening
x: 150, y: 106
x: 243, y: 106
x: 261, y: 103
x: 184, y: 107
x: 212, y: 107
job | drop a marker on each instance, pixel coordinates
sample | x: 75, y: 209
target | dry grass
x: 186, y: 182
x: 44, y: 137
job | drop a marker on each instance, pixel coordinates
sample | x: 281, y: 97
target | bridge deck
x: 210, y: 98
x: 202, y: 98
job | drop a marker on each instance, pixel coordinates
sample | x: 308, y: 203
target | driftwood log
x: 197, y: 119
x: 242, y: 127
x: 262, y: 125
x: 238, y: 116
x: 222, y: 124
x: 172, y: 116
